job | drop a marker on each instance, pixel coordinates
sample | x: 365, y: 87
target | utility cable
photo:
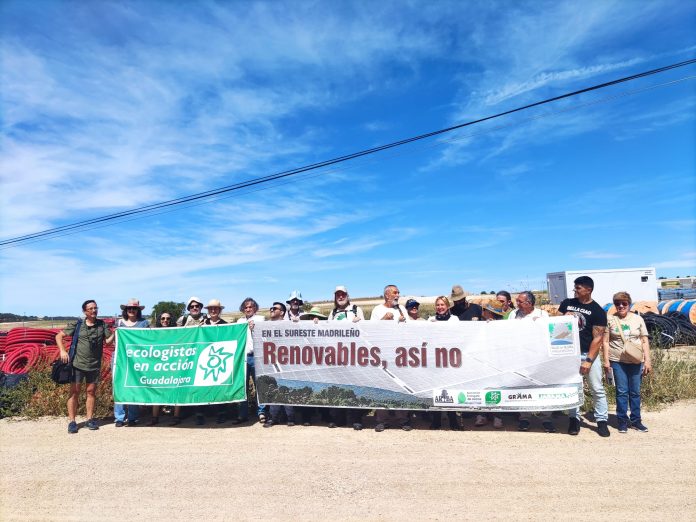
x: 340, y: 159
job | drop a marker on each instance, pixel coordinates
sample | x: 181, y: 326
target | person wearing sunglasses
x: 131, y: 317
x: 87, y: 361
x: 195, y: 316
x: 624, y: 329
x: 278, y: 311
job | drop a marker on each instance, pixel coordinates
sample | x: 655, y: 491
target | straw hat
x: 458, y: 293
x: 314, y: 312
x: 132, y: 303
x: 495, y: 307
x: 214, y: 302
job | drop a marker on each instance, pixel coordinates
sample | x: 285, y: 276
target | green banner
x: 171, y: 366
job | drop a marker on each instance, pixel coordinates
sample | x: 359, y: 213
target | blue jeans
x: 599, y: 395
x: 120, y: 412
x: 244, y: 405
x: 627, y: 378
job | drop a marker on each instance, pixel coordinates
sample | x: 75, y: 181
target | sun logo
x: 216, y: 363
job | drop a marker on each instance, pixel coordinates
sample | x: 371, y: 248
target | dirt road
x: 311, y: 473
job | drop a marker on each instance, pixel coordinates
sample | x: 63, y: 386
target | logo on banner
x: 214, y: 366
x: 444, y: 398
x: 493, y: 397
x: 520, y: 396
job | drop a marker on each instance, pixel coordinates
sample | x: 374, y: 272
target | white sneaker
x: 481, y: 420
x: 497, y: 423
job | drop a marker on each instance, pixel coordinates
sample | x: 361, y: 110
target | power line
x: 292, y: 172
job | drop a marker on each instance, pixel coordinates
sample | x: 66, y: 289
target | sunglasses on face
x: 165, y: 318
x: 276, y: 309
x: 620, y: 303
x: 132, y: 309
x: 197, y: 307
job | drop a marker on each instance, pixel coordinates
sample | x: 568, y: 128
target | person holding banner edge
x: 249, y: 308
x: 391, y: 310
x: 592, y: 322
x: 131, y: 317
x: 86, y: 363
x: 526, y: 311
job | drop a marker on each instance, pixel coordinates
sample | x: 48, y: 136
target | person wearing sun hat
x: 195, y: 316
x: 314, y: 313
x: 132, y: 317
x: 214, y: 308
x: 493, y: 310
x: 295, y: 309
x: 464, y: 310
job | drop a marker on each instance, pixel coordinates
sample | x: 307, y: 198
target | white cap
x: 341, y: 288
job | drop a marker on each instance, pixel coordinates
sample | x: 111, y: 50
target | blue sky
x: 108, y: 106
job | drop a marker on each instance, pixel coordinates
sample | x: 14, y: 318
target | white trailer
x: 641, y: 283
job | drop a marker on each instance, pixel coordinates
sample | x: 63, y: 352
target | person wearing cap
x: 214, y: 308
x: 87, y: 360
x: 195, y: 316
x: 295, y: 309
x: 412, y: 307
x: 442, y: 310
x: 390, y: 310
x: 464, y: 310
x: 343, y: 309
x: 250, y: 308
x: 526, y: 311
x: 131, y: 317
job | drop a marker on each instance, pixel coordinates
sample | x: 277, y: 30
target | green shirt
x: 90, y: 344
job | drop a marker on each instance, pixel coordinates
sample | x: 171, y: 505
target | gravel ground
x: 221, y: 472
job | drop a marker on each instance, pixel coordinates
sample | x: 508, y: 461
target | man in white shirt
x: 527, y: 312
x: 391, y: 310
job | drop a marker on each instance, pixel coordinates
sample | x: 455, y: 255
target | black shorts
x: 89, y: 377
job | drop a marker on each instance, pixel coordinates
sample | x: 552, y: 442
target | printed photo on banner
x: 491, y: 366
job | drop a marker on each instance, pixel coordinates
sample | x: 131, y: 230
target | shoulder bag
x: 631, y: 353
x: 62, y: 372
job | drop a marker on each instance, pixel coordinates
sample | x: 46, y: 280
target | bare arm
x: 63, y: 352
x: 595, y: 346
x: 605, y: 350
x: 647, y: 363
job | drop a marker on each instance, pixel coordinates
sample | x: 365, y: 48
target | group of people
x: 622, y: 338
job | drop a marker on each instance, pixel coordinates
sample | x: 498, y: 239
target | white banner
x: 477, y: 366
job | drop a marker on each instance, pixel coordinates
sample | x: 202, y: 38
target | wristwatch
x: 588, y: 359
